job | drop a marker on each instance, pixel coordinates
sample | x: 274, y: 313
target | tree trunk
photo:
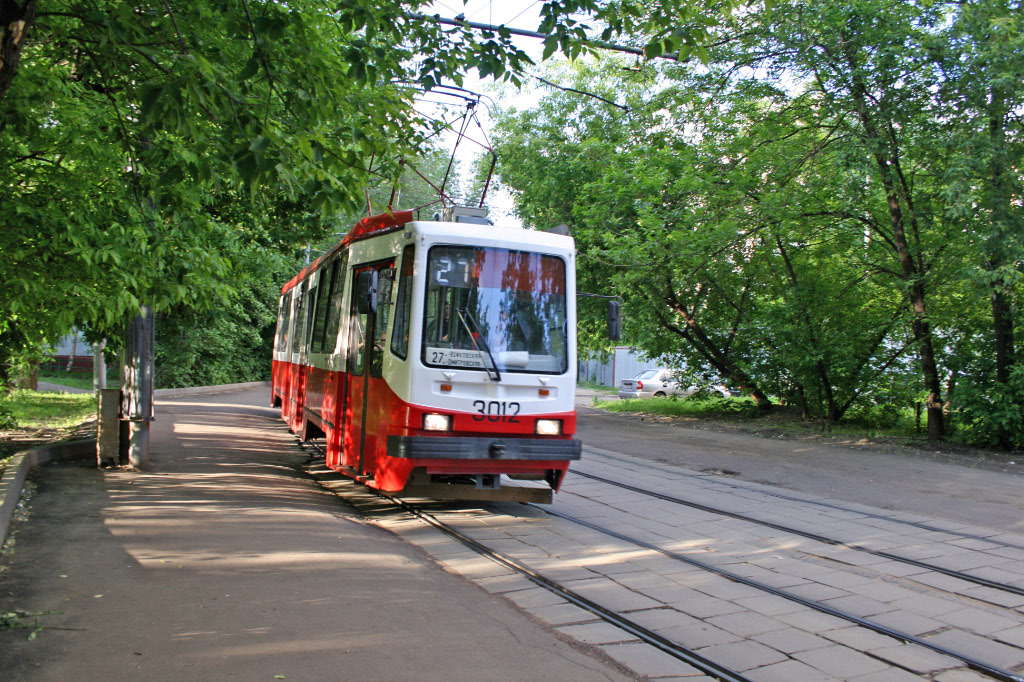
x: 888, y: 166
x: 5, y: 378
x: 832, y: 411
x: 1000, y: 198
x: 801, y: 396
x: 706, y: 346
x: 15, y: 20
x: 1002, y: 324
x: 74, y: 350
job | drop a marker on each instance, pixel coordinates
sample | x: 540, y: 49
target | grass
x: 594, y: 386
x: 33, y: 409
x: 43, y: 418
x: 685, y: 407
x: 743, y: 413
x: 76, y: 380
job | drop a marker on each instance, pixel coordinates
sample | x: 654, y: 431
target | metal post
x: 137, y: 385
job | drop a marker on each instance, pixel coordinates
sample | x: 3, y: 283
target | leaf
x: 550, y: 45
x: 151, y: 94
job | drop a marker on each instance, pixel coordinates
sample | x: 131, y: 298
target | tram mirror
x: 614, y: 320
x: 366, y: 292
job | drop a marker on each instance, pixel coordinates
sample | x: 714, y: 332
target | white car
x: 659, y: 383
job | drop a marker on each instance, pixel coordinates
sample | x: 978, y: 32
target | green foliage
x: 32, y: 409
x: 231, y: 343
x: 823, y: 212
x: 881, y: 416
x: 7, y: 419
x: 989, y: 412
x: 127, y: 127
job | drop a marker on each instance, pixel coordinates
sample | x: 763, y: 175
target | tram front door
x: 365, y: 389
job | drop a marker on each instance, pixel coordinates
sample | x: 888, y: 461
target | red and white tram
x: 436, y: 358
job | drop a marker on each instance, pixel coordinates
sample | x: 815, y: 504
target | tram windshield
x: 495, y: 310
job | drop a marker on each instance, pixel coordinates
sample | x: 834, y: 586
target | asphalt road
x: 223, y: 562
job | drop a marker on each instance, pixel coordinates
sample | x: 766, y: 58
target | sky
x: 522, y: 14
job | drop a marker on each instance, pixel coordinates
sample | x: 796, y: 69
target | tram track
x: 994, y: 671
x: 824, y: 505
x: 675, y: 649
x: 644, y: 634
x: 967, y: 577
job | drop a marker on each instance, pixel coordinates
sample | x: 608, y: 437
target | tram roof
x: 493, y: 233
x: 387, y: 222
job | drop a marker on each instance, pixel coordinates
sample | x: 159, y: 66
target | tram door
x: 366, y: 390
x: 298, y: 355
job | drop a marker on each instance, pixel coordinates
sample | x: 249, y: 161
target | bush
x: 876, y: 416
x: 7, y: 420
x: 991, y: 414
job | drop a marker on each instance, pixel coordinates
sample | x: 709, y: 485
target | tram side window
x: 284, y: 318
x: 320, y: 319
x: 300, y: 300
x: 403, y: 306
x: 357, y: 336
x: 310, y: 301
x: 334, y: 309
x: 380, y: 330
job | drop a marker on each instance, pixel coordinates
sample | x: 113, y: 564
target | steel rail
x: 975, y: 664
x: 827, y: 505
x: 812, y: 536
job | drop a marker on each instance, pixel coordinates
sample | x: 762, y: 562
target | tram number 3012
x: 496, y: 411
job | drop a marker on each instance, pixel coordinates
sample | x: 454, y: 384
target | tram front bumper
x: 483, y: 448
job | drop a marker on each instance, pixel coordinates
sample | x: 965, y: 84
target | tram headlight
x: 549, y: 427
x: 437, y: 422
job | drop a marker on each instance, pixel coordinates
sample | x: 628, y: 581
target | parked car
x: 659, y: 383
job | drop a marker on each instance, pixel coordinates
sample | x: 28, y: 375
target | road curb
x: 206, y: 390
x: 17, y: 469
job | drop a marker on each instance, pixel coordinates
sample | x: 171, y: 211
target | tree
x: 823, y: 175
x: 122, y: 123
x: 982, y: 91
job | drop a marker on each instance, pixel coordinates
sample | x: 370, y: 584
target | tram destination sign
x: 454, y: 357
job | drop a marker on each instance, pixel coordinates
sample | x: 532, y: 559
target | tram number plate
x: 495, y: 411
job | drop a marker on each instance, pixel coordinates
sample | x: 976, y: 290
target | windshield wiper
x: 465, y: 317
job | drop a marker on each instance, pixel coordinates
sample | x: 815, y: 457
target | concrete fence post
x: 108, y: 427
x: 99, y: 366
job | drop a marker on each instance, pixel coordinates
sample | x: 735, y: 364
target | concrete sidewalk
x: 225, y: 563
